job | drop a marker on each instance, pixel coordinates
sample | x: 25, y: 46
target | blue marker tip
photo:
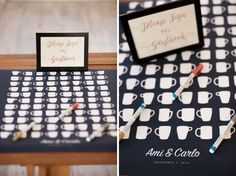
x: 174, y: 96
x: 143, y: 106
x: 212, y: 149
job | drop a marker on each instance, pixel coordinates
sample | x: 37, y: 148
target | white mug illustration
x: 167, y: 82
x: 221, y: 42
x: 151, y: 69
x: 148, y: 83
x: 165, y: 114
x: 165, y: 98
x: 163, y: 132
x: 207, y: 67
x: 182, y: 132
x: 135, y: 70
x: 221, y: 54
x: 226, y: 113
x: 128, y: 98
x: 170, y: 68
x: 186, y: 97
x: 205, y: 114
x: 187, y: 68
x: 126, y: 114
x: 222, y: 81
x: 186, y: 55
x: 186, y: 114
x: 204, y: 55
x: 147, y: 97
x: 204, y: 81
x: 204, y: 97
x: 222, y: 129
x: 204, y: 132
x: 224, y: 96
x: 131, y: 83
x: 146, y: 115
x: 222, y: 67
x: 142, y: 132
x: 220, y: 31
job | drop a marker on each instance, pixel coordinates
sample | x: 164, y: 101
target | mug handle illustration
x: 149, y: 130
x: 158, y: 67
x: 135, y: 97
x: 227, y: 53
x: 152, y: 113
x: 178, y: 114
x: 196, y: 132
x: 159, y: 98
x: 233, y: 53
x: 173, y: 82
x: 198, y: 113
x: 198, y: 55
x: 193, y: 66
x: 125, y: 69
x: 228, y: 66
x: 226, y: 41
x: 230, y: 31
x: 170, y: 114
x: 143, y: 82
x: 209, y: 81
x: 175, y: 68
x: 157, y: 132
x: 232, y: 112
x: 216, y: 81
x: 210, y: 95
x: 136, y: 83
x: 190, y: 128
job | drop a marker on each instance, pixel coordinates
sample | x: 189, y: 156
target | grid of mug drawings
x: 42, y: 96
x: 204, y: 108
x: 162, y: 78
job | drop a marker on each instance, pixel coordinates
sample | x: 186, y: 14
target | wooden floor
x: 19, y: 21
x: 101, y: 170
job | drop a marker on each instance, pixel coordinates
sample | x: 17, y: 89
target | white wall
x: 2, y: 1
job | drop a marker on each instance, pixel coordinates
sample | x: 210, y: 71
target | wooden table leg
x: 30, y: 170
x: 54, y: 170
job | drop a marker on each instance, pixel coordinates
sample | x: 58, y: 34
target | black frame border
x: 126, y: 17
x: 75, y: 68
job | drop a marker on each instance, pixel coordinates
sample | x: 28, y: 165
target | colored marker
x: 20, y: 134
x: 222, y: 136
x: 131, y: 121
x: 195, y: 73
x: 98, y: 133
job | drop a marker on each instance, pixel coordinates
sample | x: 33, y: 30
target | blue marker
x: 222, y: 137
x: 131, y: 121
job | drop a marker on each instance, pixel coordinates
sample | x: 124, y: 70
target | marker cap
x: 198, y: 70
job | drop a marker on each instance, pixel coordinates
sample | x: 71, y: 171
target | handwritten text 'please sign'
x: 62, y: 47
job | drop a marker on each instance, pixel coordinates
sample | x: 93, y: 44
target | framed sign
x: 163, y: 30
x: 62, y: 51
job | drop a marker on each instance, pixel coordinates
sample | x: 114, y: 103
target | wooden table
x: 56, y: 164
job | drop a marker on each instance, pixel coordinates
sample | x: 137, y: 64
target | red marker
x: 69, y: 110
x: 195, y: 73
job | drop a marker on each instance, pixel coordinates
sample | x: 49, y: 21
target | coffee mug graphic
x: 204, y: 132
x: 142, y: 132
x: 165, y: 114
x: 146, y: 115
x: 182, y: 132
x: 205, y: 114
x: 147, y: 97
x: 163, y: 132
x: 186, y: 114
